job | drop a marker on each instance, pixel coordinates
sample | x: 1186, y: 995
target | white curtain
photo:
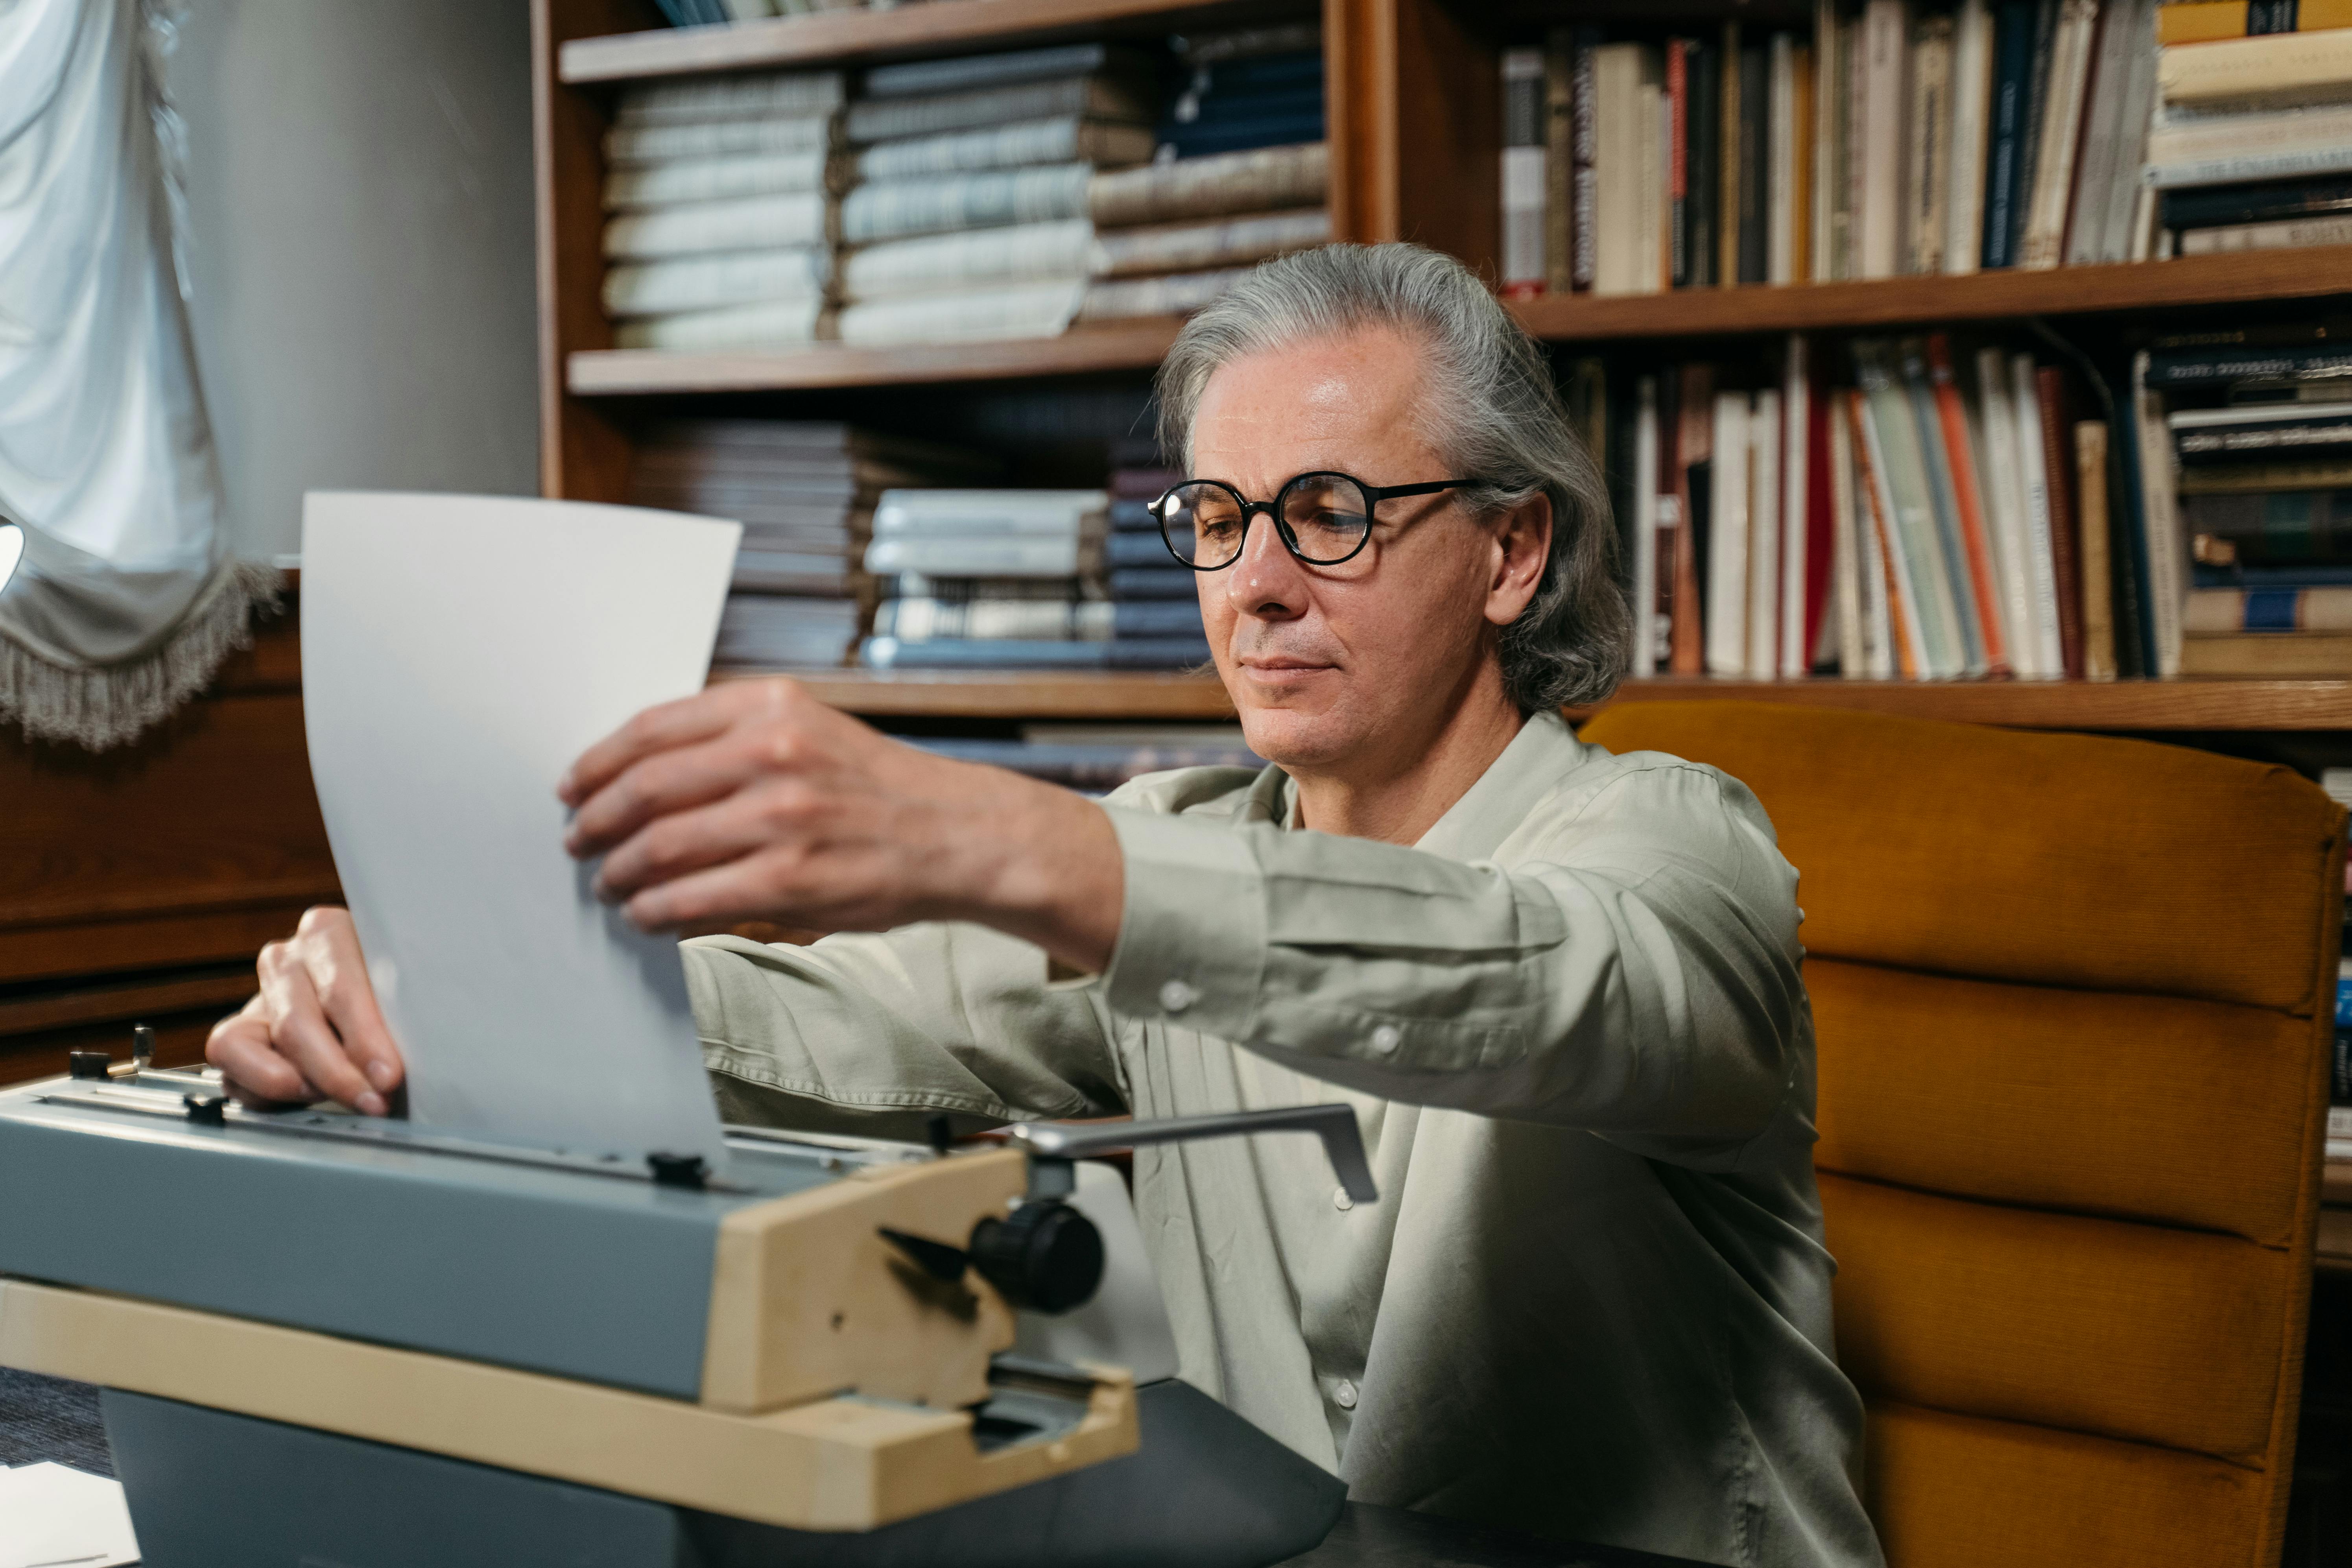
x: 126, y: 600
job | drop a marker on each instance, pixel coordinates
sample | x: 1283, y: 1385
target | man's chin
x: 1292, y: 737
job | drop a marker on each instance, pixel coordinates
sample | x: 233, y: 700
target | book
x: 705, y: 282
x: 1724, y: 616
x: 969, y: 259
x: 2271, y: 528
x: 751, y: 223
x: 1064, y: 139
x: 2217, y: 365
x: 2226, y: 611
x: 1037, y: 309
x: 1643, y: 560
x: 1798, y: 192
x: 2008, y: 510
x: 2046, y: 513
x: 1583, y: 182
x: 2279, y: 67
x: 1783, y: 210
x: 1651, y: 269
x: 785, y: 323
x: 1928, y: 146
x: 670, y: 180
x: 1765, y: 494
x: 1679, y: 259
x: 1885, y: 27
x: 1169, y: 582
x: 2112, y: 51
x: 1922, y: 556
x: 1238, y: 136
x: 627, y: 145
x: 761, y: 93
x: 1521, y: 257
x: 2235, y: 148
x: 1979, y: 627
x: 2129, y: 201
x: 958, y: 73
x: 2037, y: 97
x: 965, y: 653
x: 1689, y: 475
x: 2259, y: 430
x: 761, y: 630
x: 2205, y: 21
x: 1968, y: 508
x: 2248, y: 478
x: 2098, y: 633
x: 2053, y: 176
x: 2283, y: 235
x: 1971, y: 103
x: 2266, y: 201
x: 1268, y: 180
x: 1755, y: 187
x: 1856, y: 657
x: 2012, y: 78
x: 1168, y: 294
x: 1727, y: 175
x: 1221, y: 242
x: 1905, y: 636
x: 1057, y: 620
x: 1832, y: 70
x: 1088, y: 97
x: 889, y: 209
x: 2278, y: 656
x: 1560, y: 161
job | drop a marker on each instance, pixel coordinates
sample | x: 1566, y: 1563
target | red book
x: 1961, y: 457
x: 1820, y: 525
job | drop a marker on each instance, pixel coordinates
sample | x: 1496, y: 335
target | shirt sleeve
x: 1636, y: 972
x: 875, y: 1034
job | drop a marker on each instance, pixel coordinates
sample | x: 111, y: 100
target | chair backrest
x: 2073, y: 1000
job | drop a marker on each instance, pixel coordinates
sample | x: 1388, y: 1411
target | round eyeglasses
x: 1323, y: 518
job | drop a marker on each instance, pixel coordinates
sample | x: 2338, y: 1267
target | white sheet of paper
x: 457, y: 653
x: 51, y: 1516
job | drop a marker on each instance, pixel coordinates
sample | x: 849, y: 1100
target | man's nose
x: 1267, y: 581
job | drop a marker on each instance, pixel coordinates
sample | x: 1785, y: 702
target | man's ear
x: 1523, y: 542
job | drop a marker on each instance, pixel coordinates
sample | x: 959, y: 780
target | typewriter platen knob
x: 1045, y: 1257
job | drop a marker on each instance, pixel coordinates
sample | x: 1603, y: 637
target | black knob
x: 206, y: 1110
x: 87, y: 1064
x: 678, y: 1170
x: 1045, y: 1257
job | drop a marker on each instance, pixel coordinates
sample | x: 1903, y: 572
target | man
x: 1561, y: 989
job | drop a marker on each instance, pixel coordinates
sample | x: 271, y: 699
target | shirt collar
x: 1473, y: 826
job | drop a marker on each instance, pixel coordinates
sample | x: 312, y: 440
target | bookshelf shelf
x: 1083, y: 351
x: 2235, y: 278
x: 1010, y: 694
x: 845, y: 36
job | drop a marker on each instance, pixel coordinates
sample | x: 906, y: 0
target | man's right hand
x: 314, y: 1032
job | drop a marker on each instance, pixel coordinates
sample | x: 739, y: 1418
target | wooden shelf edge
x: 1082, y: 351
x: 2133, y: 705
x: 845, y: 36
x: 2233, y: 279
x: 1007, y: 694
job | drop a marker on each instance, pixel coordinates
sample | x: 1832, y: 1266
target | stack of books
x: 805, y: 492
x: 2251, y: 147
x: 719, y: 232
x: 1155, y: 597
x: 988, y: 579
x: 1895, y: 138
x: 1173, y: 236
x: 1256, y: 87
x: 1919, y: 509
x: 2261, y: 427
x: 708, y: 13
x: 1096, y: 759
x: 968, y: 189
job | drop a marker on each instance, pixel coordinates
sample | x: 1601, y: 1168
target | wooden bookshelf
x: 1008, y: 694
x: 842, y: 37
x: 2240, y: 277
x: 1135, y: 346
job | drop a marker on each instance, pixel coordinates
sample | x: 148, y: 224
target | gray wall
x: 360, y: 202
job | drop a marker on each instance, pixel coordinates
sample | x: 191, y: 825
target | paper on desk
x: 457, y: 653
x: 51, y: 1516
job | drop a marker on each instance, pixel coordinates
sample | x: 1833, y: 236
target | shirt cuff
x: 1192, y: 930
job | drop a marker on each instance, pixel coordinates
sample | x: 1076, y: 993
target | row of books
x: 712, y: 13
x: 1901, y: 138
x: 1094, y: 759
x: 985, y: 197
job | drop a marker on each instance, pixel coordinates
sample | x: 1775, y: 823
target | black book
x: 1619, y: 468
x: 2029, y: 145
x: 2005, y: 142
x: 1755, y: 174
x: 2224, y: 363
x: 2210, y: 206
x: 2127, y: 546
x: 1702, y: 158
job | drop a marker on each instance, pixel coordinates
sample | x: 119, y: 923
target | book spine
x: 1523, y: 271
x: 2129, y: 200
x: 1781, y: 217
x: 1923, y: 553
x: 2012, y: 72
x: 2293, y: 234
x: 1825, y: 212
x: 1651, y: 266
x: 1765, y: 445
x: 2097, y: 651
x: 1969, y: 511
x: 2239, y: 69
x: 1880, y: 210
x: 1560, y: 161
x: 1583, y: 185
x: 1670, y: 536
x: 2028, y: 151
x: 1694, y: 505
x: 1797, y: 622
x: 1906, y: 634
x: 1846, y: 567
x: 1727, y: 589
x: 1644, y: 596
x: 2109, y: 75
x: 1803, y: 188
x: 1943, y: 510
x: 2166, y: 549
x: 1928, y: 186
x: 1703, y: 152
x: 2062, y: 124
x: 1266, y: 180
x: 1755, y: 167
x: 1678, y: 215
x: 1730, y: 176
x: 2182, y: 209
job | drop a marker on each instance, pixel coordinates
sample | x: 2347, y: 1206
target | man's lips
x: 1282, y: 664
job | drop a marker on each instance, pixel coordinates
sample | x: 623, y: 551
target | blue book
x: 1135, y: 548
x: 1227, y: 108
x: 1246, y: 136
x: 1169, y: 581
x: 1133, y: 517
x: 2005, y: 142
x: 1157, y: 618
x: 1260, y: 71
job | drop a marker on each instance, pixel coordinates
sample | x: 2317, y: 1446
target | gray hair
x: 1489, y: 405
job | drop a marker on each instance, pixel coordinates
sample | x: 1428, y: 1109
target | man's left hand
x: 754, y: 801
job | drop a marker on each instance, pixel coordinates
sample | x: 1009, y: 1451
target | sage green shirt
x: 1593, y: 1300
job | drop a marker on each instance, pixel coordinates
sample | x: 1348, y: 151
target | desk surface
x: 41, y: 1418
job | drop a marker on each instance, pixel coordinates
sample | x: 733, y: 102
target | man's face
x: 1350, y: 668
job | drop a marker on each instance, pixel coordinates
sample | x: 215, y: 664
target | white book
x: 1024, y: 310
x: 2167, y: 550
x: 1218, y: 242
x: 2212, y: 152
x: 674, y: 179
x: 1829, y: 72
x: 985, y: 200
x: 2102, y: 144
x: 1651, y: 129
x: 1522, y: 258
x: 2284, y: 234
x: 1065, y: 138
x: 1857, y: 138
x: 709, y: 282
x: 2041, y: 542
x: 2005, y: 512
x: 754, y: 222
x: 1172, y: 294
x: 1726, y: 565
x: 1796, y: 655
x: 1780, y: 160
x: 1645, y: 526
x: 626, y: 145
x: 1893, y: 561
x: 937, y: 114
x: 783, y: 93
x: 776, y: 323
x: 1972, y: 41
x: 2062, y: 124
x: 967, y: 259
x: 2126, y: 191
x: 1884, y: 51
x: 1265, y: 179
x: 1764, y: 439
x: 1003, y: 556
x: 1617, y: 167
x: 1846, y: 556
x: 982, y: 510
x: 1878, y: 615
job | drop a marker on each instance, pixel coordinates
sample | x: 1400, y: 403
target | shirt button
x: 1386, y: 1039
x: 1175, y: 996
x: 1340, y: 1200
x: 1344, y: 1396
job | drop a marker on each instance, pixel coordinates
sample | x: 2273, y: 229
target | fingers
x: 329, y: 947
x: 239, y: 1045
x: 673, y: 781
x: 300, y: 1031
x: 745, y: 888
x: 686, y: 841
x: 686, y: 722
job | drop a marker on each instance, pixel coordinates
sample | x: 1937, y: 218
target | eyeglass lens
x: 1324, y: 520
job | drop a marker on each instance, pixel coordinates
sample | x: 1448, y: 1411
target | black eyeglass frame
x: 1373, y: 495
